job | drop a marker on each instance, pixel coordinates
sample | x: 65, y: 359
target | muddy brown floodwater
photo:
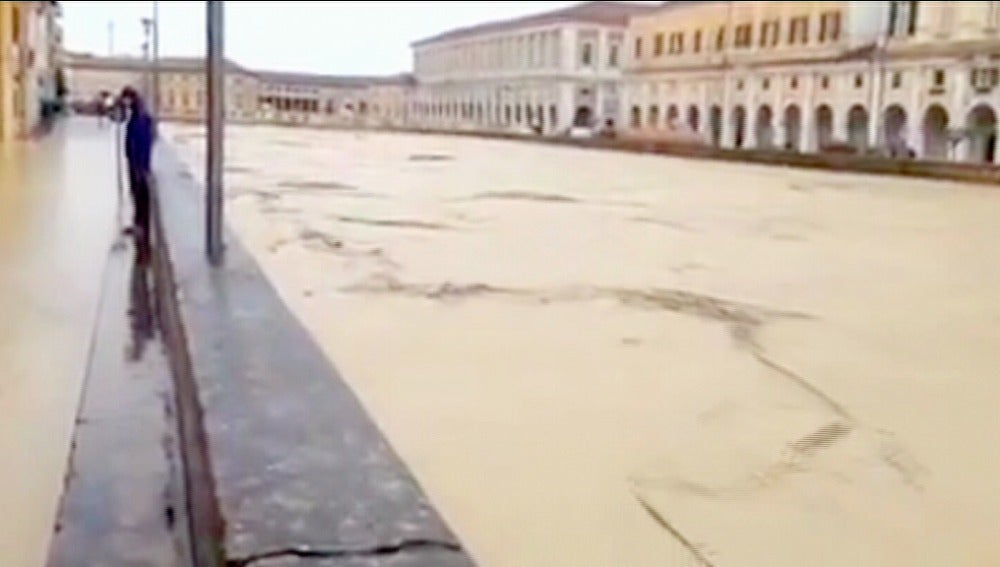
x: 594, y: 358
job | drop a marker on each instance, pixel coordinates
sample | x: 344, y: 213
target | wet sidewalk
x: 57, y: 221
x: 124, y: 499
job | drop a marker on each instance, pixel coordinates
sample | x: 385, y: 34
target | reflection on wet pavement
x: 57, y: 205
x: 123, y: 502
x: 141, y: 313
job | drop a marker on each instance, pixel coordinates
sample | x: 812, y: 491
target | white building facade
x: 542, y: 73
x: 902, y: 78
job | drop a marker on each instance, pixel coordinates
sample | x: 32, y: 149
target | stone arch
x: 584, y: 116
x: 693, y: 118
x: 857, y: 128
x: 672, y: 116
x: 935, y: 133
x: 824, y: 126
x: 894, y: 130
x: 981, y: 144
x: 793, y: 127
x: 739, y: 123
x: 765, y: 127
x: 715, y: 125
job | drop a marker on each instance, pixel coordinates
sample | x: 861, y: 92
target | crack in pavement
x: 381, y: 549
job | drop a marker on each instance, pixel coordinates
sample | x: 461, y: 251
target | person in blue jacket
x: 140, y: 135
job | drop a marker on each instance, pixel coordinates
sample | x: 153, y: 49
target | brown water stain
x: 430, y: 157
x: 524, y: 196
x: 317, y: 185
x: 393, y: 223
x: 663, y: 222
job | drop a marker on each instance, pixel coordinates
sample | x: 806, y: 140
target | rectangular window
x: 897, y: 80
x: 613, y: 55
x: 676, y: 43
x: 658, y: 44
x: 743, y: 36
x: 798, y: 30
x: 938, y: 78
x: 984, y: 79
x: 696, y: 42
x: 638, y: 47
x: 720, y: 39
x: 834, y: 26
x: 587, y: 55
x: 829, y: 26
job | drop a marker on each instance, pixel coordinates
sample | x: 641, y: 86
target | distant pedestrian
x: 140, y: 135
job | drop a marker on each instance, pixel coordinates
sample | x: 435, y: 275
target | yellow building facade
x: 30, y: 49
x: 895, y: 77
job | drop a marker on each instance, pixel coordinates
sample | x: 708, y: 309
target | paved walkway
x: 57, y: 207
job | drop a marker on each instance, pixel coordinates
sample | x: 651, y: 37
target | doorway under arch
x: 672, y: 116
x: 935, y: 133
x: 715, y: 125
x: 982, y: 142
x: 793, y: 127
x: 824, y: 126
x: 739, y: 126
x: 765, y: 128
x: 894, y: 126
x: 583, y: 116
x: 693, y: 118
x: 857, y: 128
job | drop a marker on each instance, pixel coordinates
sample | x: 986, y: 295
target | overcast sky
x: 320, y: 37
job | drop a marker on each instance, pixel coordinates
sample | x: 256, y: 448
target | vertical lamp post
x: 156, y: 59
x: 147, y: 83
x: 214, y: 79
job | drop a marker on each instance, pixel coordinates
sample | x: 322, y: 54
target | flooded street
x: 57, y: 206
x: 595, y: 358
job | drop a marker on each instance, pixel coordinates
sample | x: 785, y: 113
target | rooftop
x: 606, y: 13
x: 197, y: 64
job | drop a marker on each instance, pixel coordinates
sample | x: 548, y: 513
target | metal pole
x: 156, y: 59
x: 147, y: 24
x: 216, y: 96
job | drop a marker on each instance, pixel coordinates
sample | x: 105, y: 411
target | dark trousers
x: 139, y: 187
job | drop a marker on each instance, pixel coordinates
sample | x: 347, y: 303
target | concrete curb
x: 205, y: 524
x: 282, y: 464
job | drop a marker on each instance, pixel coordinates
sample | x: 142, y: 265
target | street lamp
x: 214, y: 70
x: 147, y: 26
x: 156, y: 59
